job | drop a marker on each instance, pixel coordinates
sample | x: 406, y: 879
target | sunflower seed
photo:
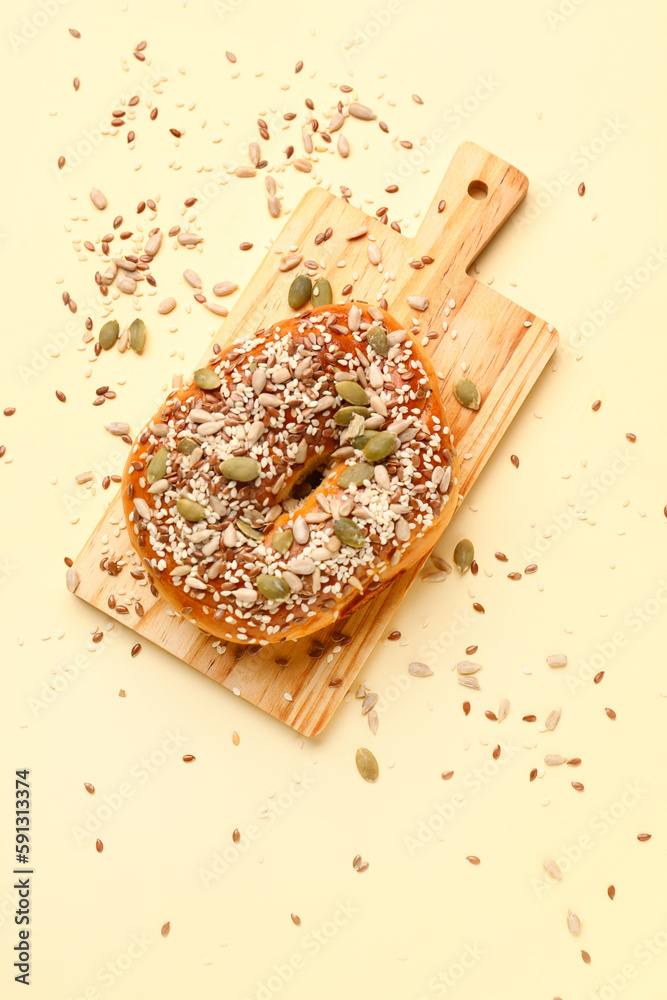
x: 573, y: 923
x: 274, y: 206
x: 552, y: 719
x: 358, y: 110
x: 246, y: 594
x: 552, y: 868
x: 302, y: 567
x: 373, y: 723
x: 367, y: 765
x: 289, y: 262
x: 503, y: 710
x: 245, y: 172
x: 270, y: 184
x: 301, y: 531
x: 118, y: 428
x: 216, y: 309
x: 335, y: 122
x: 166, y: 306
x: 437, y: 576
x: 72, y: 579
x: 343, y: 146
x: 126, y: 284
x: 554, y: 759
x: 254, y: 153
x: 469, y: 682
x: 98, y: 199
x: 142, y: 509
x: 189, y: 239
x: 292, y: 581
x: 418, y: 302
x: 374, y: 253
x: 557, y: 660
x: 192, y: 278
x: 153, y: 244
x: 468, y: 667
x: 369, y: 702
x: 224, y: 288
x: 302, y: 165
x: 419, y: 669
x: 354, y: 318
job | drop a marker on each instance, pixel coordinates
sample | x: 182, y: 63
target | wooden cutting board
x: 504, y: 347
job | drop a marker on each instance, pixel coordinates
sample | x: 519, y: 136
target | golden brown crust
x: 276, y: 405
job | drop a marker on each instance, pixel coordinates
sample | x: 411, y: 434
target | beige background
x: 568, y: 92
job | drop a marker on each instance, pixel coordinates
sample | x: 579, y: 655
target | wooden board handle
x: 480, y: 192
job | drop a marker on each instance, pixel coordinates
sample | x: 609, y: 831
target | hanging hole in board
x: 478, y: 190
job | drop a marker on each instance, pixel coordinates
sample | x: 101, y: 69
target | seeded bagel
x: 294, y: 477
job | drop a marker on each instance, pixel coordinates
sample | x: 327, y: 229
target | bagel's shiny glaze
x: 287, y: 425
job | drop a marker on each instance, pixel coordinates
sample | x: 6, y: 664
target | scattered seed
x: 109, y: 334
x: 644, y: 836
x: 611, y: 713
x: 598, y: 677
x: 367, y: 765
x: 137, y: 334
x: 99, y: 846
x: 188, y: 758
x: 463, y: 555
x: 557, y: 660
x: 586, y: 957
x: 467, y: 393
x: 89, y: 788
x: 581, y: 190
x: 473, y: 859
x: 295, y: 919
x: 136, y: 649
x: 418, y: 669
x: 573, y: 923
x: 358, y: 110
x: 611, y: 891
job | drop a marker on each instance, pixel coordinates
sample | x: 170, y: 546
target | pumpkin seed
x: 186, y: 446
x: 190, y: 509
x: 157, y: 467
x: 247, y: 529
x: 322, y: 293
x: 367, y: 765
x: 243, y: 470
x: 206, y: 378
x: 355, y: 474
x: 380, y: 446
x: 300, y: 291
x: 343, y: 417
x: 467, y: 393
x: 349, y: 532
x: 137, y: 335
x: 272, y: 587
x: 464, y: 553
x: 282, y: 541
x: 362, y: 440
x: 352, y: 392
x: 377, y: 338
x: 109, y: 334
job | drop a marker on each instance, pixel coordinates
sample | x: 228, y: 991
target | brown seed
x: 611, y: 891
x: 501, y: 557
x: 471, y: 650
x: 643, y: 836
x: 175, y: 132
x: 89, y: 788
x: 631, y: 437
x: 533, y: 774
x: 514, y: 459
x: 479, y: 608
x: 466, y: 708
x: 99, y: 846
x: 74, y: 33
x: 577, y: 785
x: 245, y: 246
x: 611, y: 713
x: 76, y: 83
x: 188, y: 758
x: 136, y: 649
x: 586, y: 957
x: 596, y: 405
x: 491, y: 715
x: 153, y: 114
x: 9, y: 411
x: 231, y: 57
x: 446, y: 775
x: 531, y: 568
x: 236, y: 836
x: 61, y: 396
x: 574, y: 762
x: 391, y: 189
x: 598, y: 677
x: 61, y: 162
x: 299, y: 66
x: 164, y: 930
x: 417, y: 99
x: 473, y: 859
x: 496, y: 752
x: 236, y: 739
x: 581, y: 190
x: 529, y: 718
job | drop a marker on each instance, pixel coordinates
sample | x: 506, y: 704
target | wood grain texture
x: 505, y: 349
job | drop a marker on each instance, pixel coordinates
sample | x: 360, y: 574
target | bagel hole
x: 310, y: 482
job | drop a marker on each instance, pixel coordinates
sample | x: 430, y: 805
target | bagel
x: 300, y: 472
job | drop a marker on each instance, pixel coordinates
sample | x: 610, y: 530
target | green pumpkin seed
x: 380, y: 446
x: 186, y: 446
x: 157, y: 467
x: 349, y: 532
x: 367, y: 765
x: 353, y: 393
x: 243, y: 470
x: 377, y: 338
x: 467, y: 393
x: 343, y: 417
x: 137, y: 335
x: 282, y: 541
x: 362, y: 440
x: 247, y: 529
x: 206, y: 378
x: 299, y: 291
x: 109, y: 334
x: 272, y: 587
x: 190, y: 510
x: 355, y: 474
x: 464, y: 553
x: 322, y: 294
